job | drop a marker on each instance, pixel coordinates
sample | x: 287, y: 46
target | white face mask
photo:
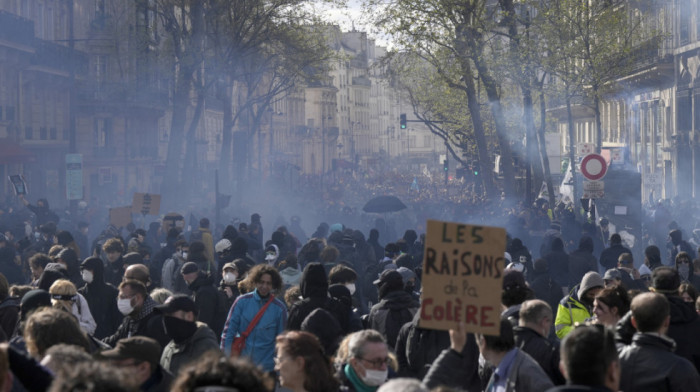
x: 375, y: 378
x: 87, y: 276
x: 351, y: 287
x: 124, y: 306
x: 184, y: 255
x: 270, y: 258
x: 230, y: 277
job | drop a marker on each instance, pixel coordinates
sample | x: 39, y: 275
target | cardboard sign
x: 18, y: 183
x: 462, y: 277
x: 120, y: 216
x: 145, y: 203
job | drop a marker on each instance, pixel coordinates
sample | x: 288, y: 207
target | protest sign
x: 120, y: 216
x: 18, y: 183
x: 145, y: 203
x: 462, y: 277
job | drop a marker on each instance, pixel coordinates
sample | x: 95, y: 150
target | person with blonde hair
x: 65, y: 296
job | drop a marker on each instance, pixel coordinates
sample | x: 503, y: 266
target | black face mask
x: 177, y: 329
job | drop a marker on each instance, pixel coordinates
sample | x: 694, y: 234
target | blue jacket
x: 260, y: 344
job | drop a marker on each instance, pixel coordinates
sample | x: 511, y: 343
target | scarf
x: 356, y: 381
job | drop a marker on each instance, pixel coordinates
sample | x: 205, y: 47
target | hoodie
x: 101, y: 298
x: 314, y: 291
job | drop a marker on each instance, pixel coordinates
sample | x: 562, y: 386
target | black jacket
x: 417, y: 348
x: 580, y: 262
x: 391, y: 313
x: 114, y: 272
x: 102, y: 299
x: 649, y: 364
x: 608, y: 258
x: 547, y: 289
x: 314, y: 291
x: 456, y: 370
x: 558, y: 263
x: 207, y: 299
x: 685, y: 329
x: 541, y: 350
x: 146, y: 323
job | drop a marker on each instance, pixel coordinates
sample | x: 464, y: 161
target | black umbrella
x: 381, y: 204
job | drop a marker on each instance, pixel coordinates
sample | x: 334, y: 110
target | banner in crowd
x: 462, y: 277
x: 120, y: 216
x: 146, y: 204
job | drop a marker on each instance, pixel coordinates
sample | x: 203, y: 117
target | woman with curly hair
x: 260, y: 342
x: 303, y: 365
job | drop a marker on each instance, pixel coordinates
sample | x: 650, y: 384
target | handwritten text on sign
x: 462, y: 276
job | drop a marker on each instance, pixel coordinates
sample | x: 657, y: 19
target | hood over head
x: 589, y: 281
x: 95, y: 265
x: 314, y: 282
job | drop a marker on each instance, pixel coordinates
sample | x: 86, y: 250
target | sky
x: 349, y: 17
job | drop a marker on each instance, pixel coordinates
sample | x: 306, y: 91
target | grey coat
x: 525, y: 375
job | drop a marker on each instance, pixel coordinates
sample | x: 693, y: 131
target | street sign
x: 585, y: 149
x: 593, y: 189
x: 617, y: 155
x: 653, y: 179
x: 593, y: 167
x: 74, y: 176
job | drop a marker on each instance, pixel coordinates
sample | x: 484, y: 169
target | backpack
x: 170, y: 273
x: 196, y: 235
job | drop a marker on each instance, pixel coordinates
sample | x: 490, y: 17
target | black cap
x: 177, y: 302
x: 189, y: 267
x: 388, y: 276
x: 34, y: 299
x: 140, y: 348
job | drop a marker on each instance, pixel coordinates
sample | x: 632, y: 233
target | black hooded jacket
x: 101, y: 298
x: 314, y: 291
x: 209, y: 302
x: 684, y: 330
x: 114, y: 272
x: 581, y: 261
x: 395, y: 309
x: 517, y: 249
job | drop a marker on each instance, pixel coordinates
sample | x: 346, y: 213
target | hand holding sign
x: 462, y: 277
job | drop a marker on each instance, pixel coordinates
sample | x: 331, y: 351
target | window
x: 10, y: 113
x: 684, y: 25
x: 53, y: 134
x: 28, y: 133
x: 43, y: 133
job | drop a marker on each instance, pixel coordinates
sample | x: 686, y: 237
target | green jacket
x: 569, y: 312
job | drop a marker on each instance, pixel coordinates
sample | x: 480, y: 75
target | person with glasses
x: 303, y: 365
x: 367, y: 364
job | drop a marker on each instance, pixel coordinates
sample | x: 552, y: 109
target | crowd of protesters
x: 253, y: 308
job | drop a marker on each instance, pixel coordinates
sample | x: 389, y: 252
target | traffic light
x: 475, y: 168
x: 445, y: 164
x: 402, y: 118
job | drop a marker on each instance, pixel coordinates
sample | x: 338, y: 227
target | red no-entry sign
x: 593, y: 167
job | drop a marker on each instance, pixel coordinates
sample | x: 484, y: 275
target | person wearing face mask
x: 272, y: 253
x: 99, y: 296
x: 139, y: 316
x: 684, y: 265
x: 190, y: 338
x: 229, y: 283
x: 366, y: 367
x: 314, y: 290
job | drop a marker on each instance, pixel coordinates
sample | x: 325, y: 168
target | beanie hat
x: 189, y: 267
x: 513, y: 278
x: 590, y: 280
